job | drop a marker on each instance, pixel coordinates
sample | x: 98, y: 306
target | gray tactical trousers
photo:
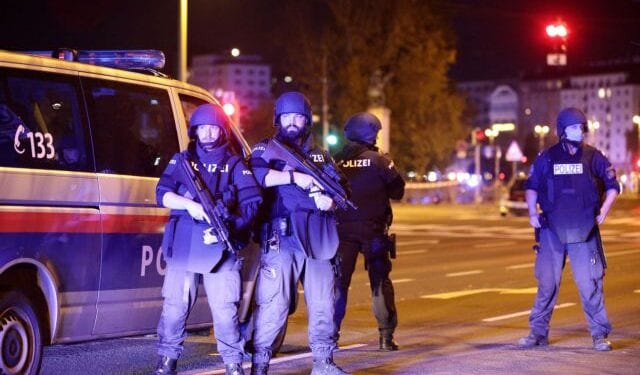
x: 588, y: 272
x: 276, y: 291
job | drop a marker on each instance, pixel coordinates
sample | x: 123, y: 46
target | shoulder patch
x: 611, y: 173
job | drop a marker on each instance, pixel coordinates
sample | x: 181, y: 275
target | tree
x: 405, y: 45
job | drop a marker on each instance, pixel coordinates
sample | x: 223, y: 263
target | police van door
x: 134, y: 136
x: 49, y: 218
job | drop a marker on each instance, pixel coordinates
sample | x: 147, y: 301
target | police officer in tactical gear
x: 193, y: 253
x: 373, y: 180
x: 299, y: 241
x: 568, y: 181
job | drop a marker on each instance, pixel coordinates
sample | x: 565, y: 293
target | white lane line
x: 470, y: 292
x: 418, y: 242
x: 520, y: 266
x: 212, y: 371
x: 637, y: 291
x: 410, y: 252
x: 495, y: 244
x: 465, y: 273
x: 521, y: 313
x: 618, y: 253
x: 394, y: 281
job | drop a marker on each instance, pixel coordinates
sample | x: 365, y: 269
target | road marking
x: 521, y: 313
x: 398, y: 281
x: 519, y: 266
x: 618, y: 253
x: 418, y: 242
x: 211, y: 371
x: 410, y: 252
x: 469, y: 292
x: 637, y: 291
x: 465, y: 273
x: 494, y: 244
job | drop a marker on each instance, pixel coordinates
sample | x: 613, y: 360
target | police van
x: 82, y: 144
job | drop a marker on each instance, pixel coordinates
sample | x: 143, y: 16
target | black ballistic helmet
x: 208, y: 114
x: 570, y: 116
x: 362, y: 127
x: 292, y: 102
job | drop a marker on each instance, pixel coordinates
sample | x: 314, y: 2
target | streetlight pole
x: 182, y: 41
x: 541, y: 131
x: 325, y: 103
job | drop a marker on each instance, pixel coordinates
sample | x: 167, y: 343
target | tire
x: 20, y: 337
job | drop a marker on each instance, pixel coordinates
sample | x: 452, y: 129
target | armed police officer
x: 568, y: 181
x: 373, y: 180
x: 299, y: 240
x: 192, y: 251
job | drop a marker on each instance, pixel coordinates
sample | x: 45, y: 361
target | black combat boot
x: 233, y: 369
x: 166, y: 366
x: 533, y: 340
x: 259, y: 368
x: 601, y: 344
x: 326, y: 366
x: 387, y: 344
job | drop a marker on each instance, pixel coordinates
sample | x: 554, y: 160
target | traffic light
x: 332, y: 139
x: 558, y: 33
x: 557, y: 30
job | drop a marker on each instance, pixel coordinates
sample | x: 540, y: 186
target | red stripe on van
x: 133, y: 223
x: 71, y: 222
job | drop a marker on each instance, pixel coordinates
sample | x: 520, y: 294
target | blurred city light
x: 332, y: 140
x: 229, y: 109
x: 235, y: 52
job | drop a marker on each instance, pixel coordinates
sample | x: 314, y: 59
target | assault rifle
x: 215, y: 209
x: 327, y: 176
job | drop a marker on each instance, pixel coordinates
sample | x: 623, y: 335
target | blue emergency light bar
x: 121, y: 59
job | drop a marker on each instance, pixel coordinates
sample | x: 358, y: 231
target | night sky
x: 496, y: 38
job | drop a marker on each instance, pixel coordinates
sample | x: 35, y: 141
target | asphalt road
x: 464, y: 284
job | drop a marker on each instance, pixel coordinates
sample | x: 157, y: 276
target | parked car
x: 515, y: 202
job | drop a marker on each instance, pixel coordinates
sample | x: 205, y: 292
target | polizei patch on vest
x: 567, y: 169
x: 357, y: 163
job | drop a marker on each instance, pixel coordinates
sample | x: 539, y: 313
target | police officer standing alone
x: 299, y: 241
x: 568, y: 181
x: 192, y: 252
x: 373, y: 180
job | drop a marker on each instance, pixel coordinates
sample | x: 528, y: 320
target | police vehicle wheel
x: 20, y: 338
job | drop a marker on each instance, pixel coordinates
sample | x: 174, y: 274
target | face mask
x: 574, y: 135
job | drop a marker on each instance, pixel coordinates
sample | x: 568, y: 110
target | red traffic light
x: 557, y: 30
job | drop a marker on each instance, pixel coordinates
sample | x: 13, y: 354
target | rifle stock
x: 214, y: 208
x: 327, y: 177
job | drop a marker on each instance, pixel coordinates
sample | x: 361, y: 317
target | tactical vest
x: 571, y: 200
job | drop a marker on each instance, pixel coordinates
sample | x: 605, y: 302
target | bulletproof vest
x: 368, y: 190
x: 282, y: 200
x: 571, y: 200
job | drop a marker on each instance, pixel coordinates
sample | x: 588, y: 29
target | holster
x: 391, y: 240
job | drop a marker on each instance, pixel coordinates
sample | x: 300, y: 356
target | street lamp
x: 541, y: 131
x: 492, y: 134
x: 593, y: 126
